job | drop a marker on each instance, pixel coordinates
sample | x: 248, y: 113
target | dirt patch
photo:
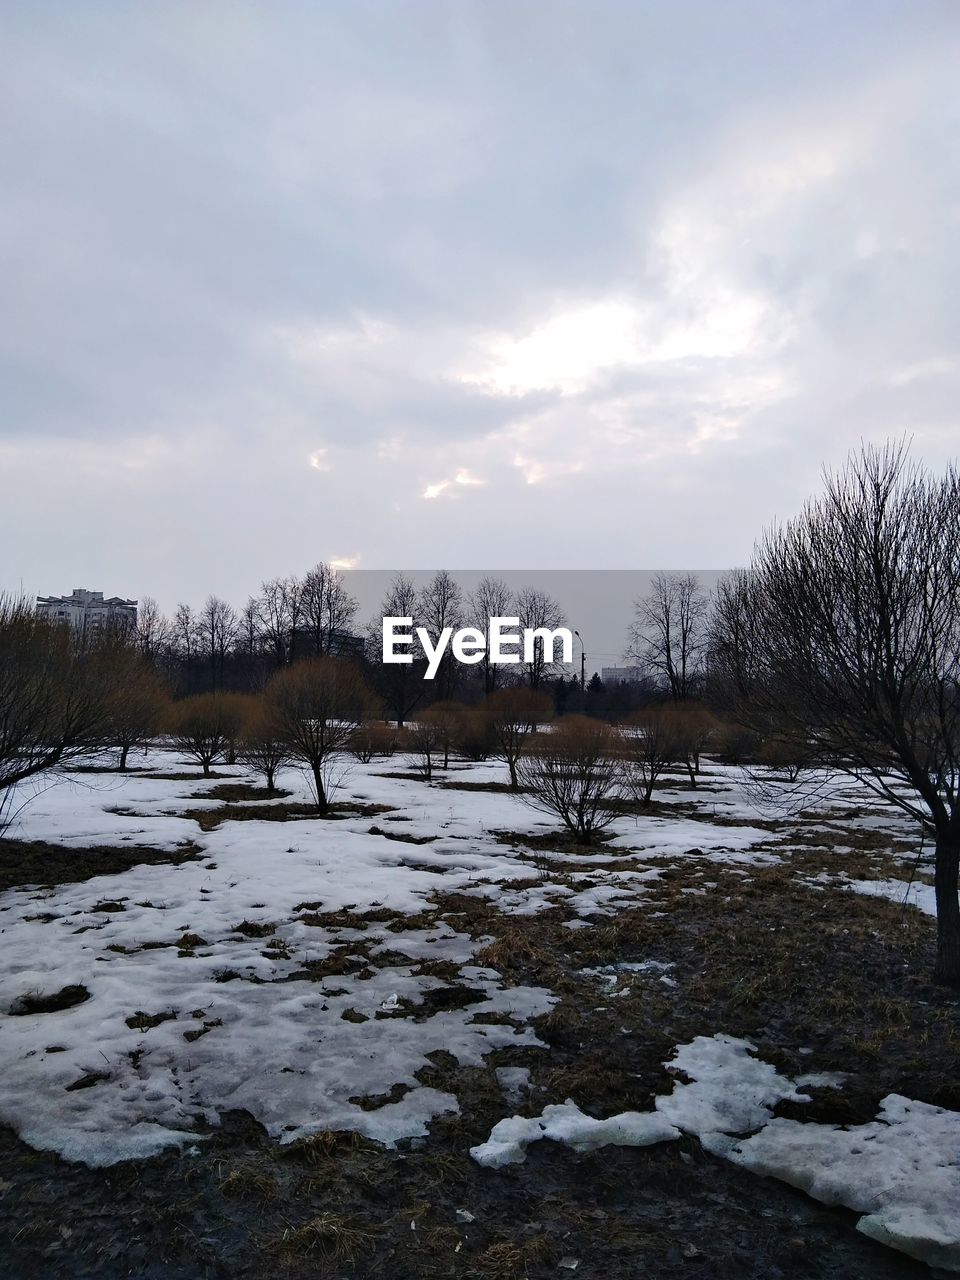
x: 210, y: 819
x: 336, y: 1205
x: 236, y: 792
x: 37, y: 862
x: 53, y: 1002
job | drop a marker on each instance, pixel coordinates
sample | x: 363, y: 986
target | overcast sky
x: 463, y: 283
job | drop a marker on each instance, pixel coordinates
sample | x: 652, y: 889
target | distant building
x: 87, y: 611
x: 621, y: 675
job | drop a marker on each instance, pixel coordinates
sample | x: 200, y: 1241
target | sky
x: 482, y: 284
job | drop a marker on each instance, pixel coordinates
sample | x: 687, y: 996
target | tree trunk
x: 270, y: 786
x: 948, y: 912
x: 321, y: 791
x: 123, y: 756
x: 512, y: 766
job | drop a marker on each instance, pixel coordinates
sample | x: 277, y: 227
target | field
x: 241, y: 1040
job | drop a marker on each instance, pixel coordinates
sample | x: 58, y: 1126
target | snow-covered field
x: 206, y: 988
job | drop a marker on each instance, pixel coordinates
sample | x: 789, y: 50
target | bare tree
x: 203, y: 726
x: 538, y: 612
x: 317, y: 704
x: 153, y: 630
x: 440, y: 605
x: 515, y: 714
x: 53, y: 697
x: 279, y: 610
x: 218, y: 628
x: 668, y: 635
x: 399, y: 684
x: 185, y: 633
x: 576, y: 773
x: 328, y: 609
x: 650, y: 745
x: 858, y: 647
x: 491, y: 599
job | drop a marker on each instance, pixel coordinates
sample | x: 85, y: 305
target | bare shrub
x: 137, y: 699
x: 515, y: 715
x: 475, y: 736
x: 652, y: 743
x: 54, y: 697
x: 204, y: 725
x: 575, y: 773
x: 261, y: 745
x: 372, y: 738
x: 317, y: 705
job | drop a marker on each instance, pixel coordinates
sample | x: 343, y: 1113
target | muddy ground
x: 762, y: 954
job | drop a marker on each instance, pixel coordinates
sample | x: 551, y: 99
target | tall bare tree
x: 218, y: 628
x: 328, y: 609
x: 538, y: 611
x: 491, y: 599
x: 440, y: 605
x: 153, y: 630
x: 668, y: 634
x: 857, y: 646
x: 185, y: 633
x: 399, y: 684
x: 279, y: 611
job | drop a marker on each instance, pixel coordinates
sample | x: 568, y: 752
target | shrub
x: 372, y: 738
x: 575, y: 773
x: 515, y: 714
x: 204, y: 726
x: 317, y: 704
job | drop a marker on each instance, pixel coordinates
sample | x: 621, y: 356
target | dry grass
x: 332, y: 1237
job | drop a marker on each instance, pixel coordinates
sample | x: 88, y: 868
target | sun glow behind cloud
x: 463, y: 478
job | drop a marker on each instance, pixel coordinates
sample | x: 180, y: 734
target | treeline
x: 219, y: 648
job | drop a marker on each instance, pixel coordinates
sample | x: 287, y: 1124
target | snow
x: 567, y: 1124
x: 274, y: 1041
x: 253, y: 1023
x: 730, y: 1090
x: 914, y: 893
x: 901, y: 1171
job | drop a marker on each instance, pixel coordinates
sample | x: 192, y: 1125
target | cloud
x: 650, y: 263
x: 463, y: 478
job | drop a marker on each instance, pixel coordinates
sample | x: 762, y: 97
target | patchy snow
x: 901, y: 1171
x: 566, y: 1123
x: 273, y: 1037
x: 730, y: 1090
x: 207, y: 987
x: 915, y: 893
x: 514, y: 1084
